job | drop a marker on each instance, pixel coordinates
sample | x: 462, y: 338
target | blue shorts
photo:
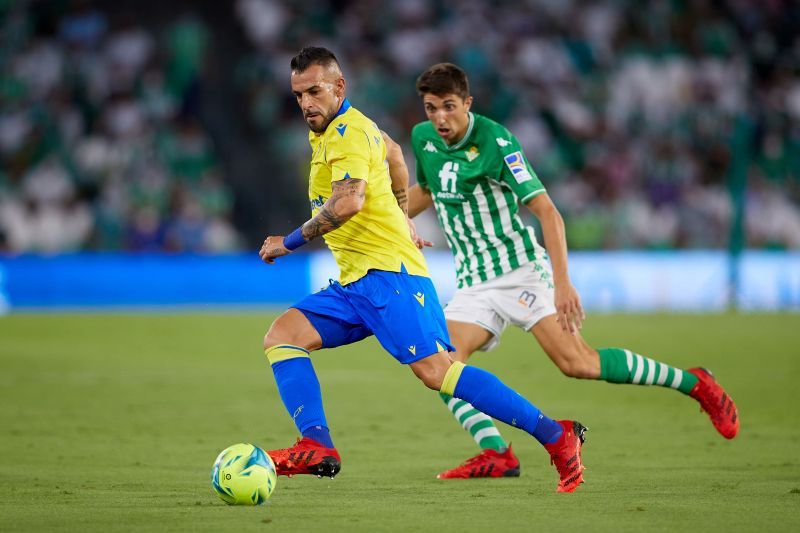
x: 401, y: 310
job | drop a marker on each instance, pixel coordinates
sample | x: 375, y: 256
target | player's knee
x: 430, y: 375
x: 270, y: 339
x: 279, y: 333
x: 432, y: 379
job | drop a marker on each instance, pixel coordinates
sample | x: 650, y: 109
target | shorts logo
x: 420, y: 298
x: 516, y: 164
x: 527, y: 298
x: 412, y: 349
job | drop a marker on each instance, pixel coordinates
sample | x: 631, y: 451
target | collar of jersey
x: 463, y: 141
x: 343, y: 108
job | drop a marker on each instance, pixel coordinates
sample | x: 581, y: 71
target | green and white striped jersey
x: 476, y: 186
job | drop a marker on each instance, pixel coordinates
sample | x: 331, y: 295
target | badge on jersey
x: 516, y: 164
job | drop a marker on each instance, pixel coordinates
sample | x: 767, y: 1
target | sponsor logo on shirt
x: 429, y: 147
x: 317, y: 202
x: 502, y: 143
x: 516, y: 164
x: 340, y: 128
x: 450, y: 196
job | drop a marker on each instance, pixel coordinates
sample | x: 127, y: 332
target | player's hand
x: 569, y: 310
x: 418, y: 241
x: 272, y: 249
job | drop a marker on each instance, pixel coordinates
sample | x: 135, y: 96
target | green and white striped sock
x: 624, y: 366
x: 480, y: 426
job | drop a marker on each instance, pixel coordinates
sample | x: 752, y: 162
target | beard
x: 326, y: 120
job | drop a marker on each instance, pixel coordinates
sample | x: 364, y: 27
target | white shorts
x: 521, y: 297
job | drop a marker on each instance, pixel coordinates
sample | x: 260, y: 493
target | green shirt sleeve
x: 516, y: 170
x: 422, y: 180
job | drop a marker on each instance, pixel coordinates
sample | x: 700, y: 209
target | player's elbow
x: 349, y: 207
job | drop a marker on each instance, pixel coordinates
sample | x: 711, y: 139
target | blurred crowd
x: 644, y: 118
x: 649, y: 121
x: 100, y: 142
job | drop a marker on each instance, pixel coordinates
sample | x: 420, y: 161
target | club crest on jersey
x: 516, y: 164
x: 472, y: 154
x: 429, y: 147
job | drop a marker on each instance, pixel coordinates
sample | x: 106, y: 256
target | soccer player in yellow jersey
x: 383, y: 289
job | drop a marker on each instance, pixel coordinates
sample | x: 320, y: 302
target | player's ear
x: 468, y: 102
x: 339, y: 87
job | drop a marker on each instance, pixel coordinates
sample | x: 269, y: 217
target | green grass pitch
x: 111, y: 423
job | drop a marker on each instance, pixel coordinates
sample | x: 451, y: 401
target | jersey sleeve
x: 348, y: 154
x: 516, y: 171
x: 422, y: 179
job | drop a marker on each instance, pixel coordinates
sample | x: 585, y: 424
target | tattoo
x: 328, y: 219
x: 402, y: 198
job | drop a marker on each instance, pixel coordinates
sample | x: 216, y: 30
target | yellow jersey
x: 376, y: 237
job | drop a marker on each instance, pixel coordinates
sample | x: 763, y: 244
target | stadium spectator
x: 99, y: 136
x: 638, y: 116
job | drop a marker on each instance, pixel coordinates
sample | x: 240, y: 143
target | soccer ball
x: 243, y: 474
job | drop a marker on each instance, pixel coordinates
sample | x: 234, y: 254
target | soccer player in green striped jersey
x: 473, y: 171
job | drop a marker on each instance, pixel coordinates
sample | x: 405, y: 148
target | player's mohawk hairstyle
x: 442, y: 79
x: 313, y: 55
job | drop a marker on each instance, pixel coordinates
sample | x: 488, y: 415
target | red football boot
x: 565, y: 453
x: 488, y: 463
x: 716, y: 402
x: 306, y: 457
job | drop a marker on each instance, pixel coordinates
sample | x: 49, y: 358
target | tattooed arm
x: 347, y: 199
x: 412, y: 200
x: 398, y: 171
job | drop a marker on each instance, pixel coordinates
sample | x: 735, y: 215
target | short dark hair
x: 442, y: 79
x: 313, y: 55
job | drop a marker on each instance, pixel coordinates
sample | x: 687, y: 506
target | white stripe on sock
x: 452, y: 403
x: 640, y: 369
x: 486, y: 432
x: 474, y: 419
x: 461, y: 410
x: 676, y: 381
x: 651, y: 374
x: 629, y: 360
x: 663, y: 371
